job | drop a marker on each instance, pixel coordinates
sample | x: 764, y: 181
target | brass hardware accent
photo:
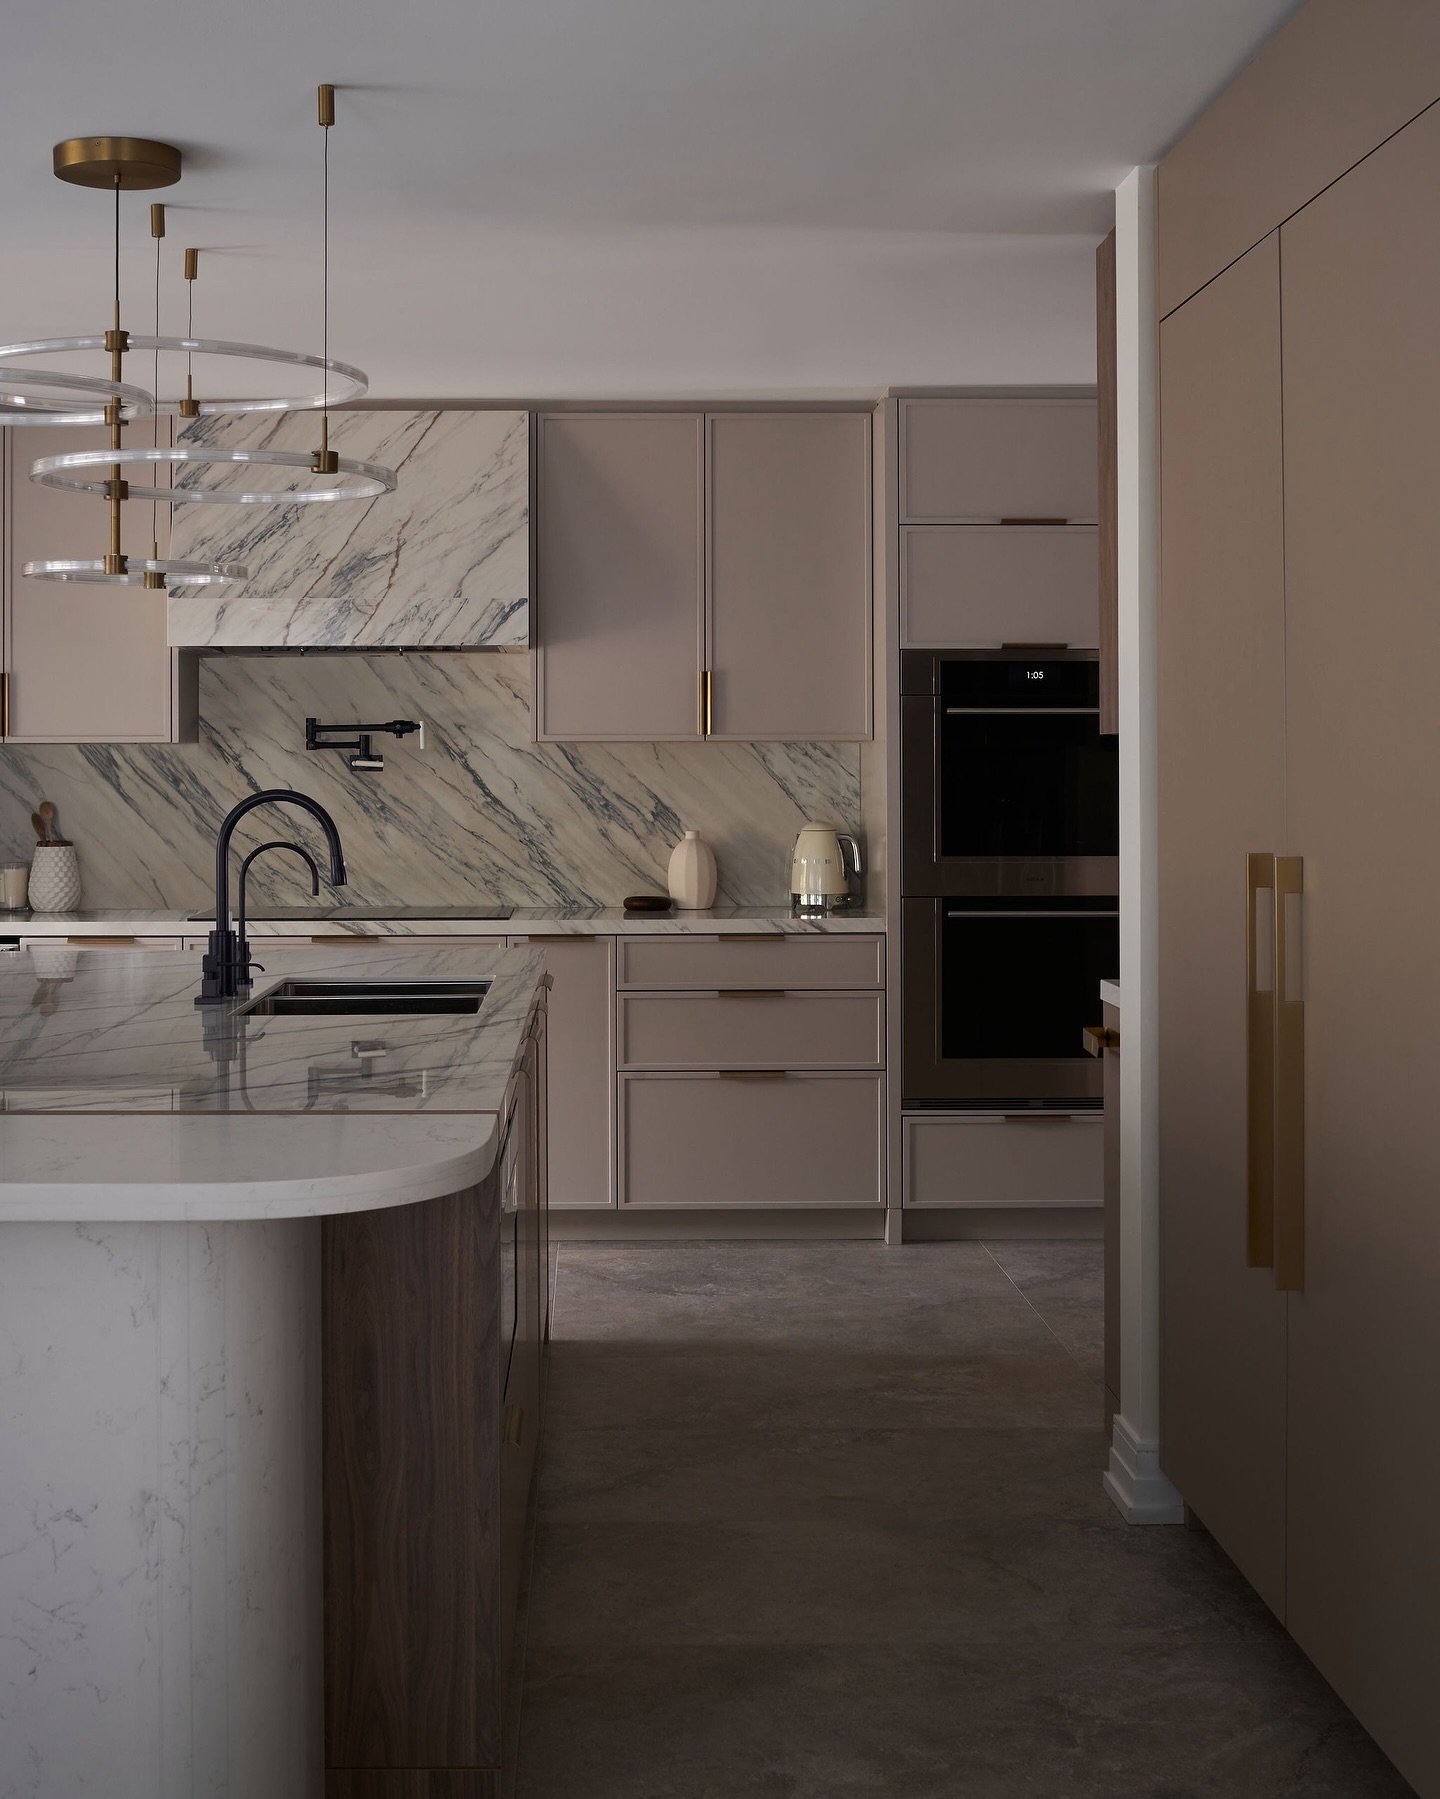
x: 192, y: 264
x: 749, y: 993
x: 700, y: 704
x: 117, y: 340
x: 152, y: 578
x: 1097, y: 1038
x: 709, y: 680
x: 325, y: 98
x: 116, y: 563
x: 5, y: 704
x: 754, y: 937
x: 1289, y: 1080
x: 325, y: 462
x: 112, y: 413
x: 108, y: 942
x: 1034, y: 521
x: 116, y: 490
x: 752, y: 1074
x: 514, y: 1433
x: 189, y: 407
x: 1259, y: 1068
x: 129, y: 163
x: 157, y: 218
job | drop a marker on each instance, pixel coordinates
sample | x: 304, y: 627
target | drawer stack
x: 751, y: 1071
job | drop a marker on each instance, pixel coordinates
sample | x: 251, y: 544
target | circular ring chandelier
x: 351, y: 383
x: 35, y: 396
x: 70, y: 473
x: 139, y: 572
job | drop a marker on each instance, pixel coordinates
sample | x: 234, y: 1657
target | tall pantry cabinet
x: 1300, y: 874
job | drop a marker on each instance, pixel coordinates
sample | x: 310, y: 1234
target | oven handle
x: 1026, y: 711
x: 1060, y: 913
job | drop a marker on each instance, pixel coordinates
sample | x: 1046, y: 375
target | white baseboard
x: 1141, y: 1493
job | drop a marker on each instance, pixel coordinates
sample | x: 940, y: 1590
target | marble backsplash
x: 480, y: 812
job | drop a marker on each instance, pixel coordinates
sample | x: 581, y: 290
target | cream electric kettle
x: 819, y: 881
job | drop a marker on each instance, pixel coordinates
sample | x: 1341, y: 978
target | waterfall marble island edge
x: 173, y: 1200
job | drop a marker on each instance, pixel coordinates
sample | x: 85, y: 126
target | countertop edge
x: 524, y: 922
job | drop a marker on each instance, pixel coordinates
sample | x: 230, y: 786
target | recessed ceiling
x: 526, y: 196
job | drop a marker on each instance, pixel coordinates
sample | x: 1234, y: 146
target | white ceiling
x: 608, y: 196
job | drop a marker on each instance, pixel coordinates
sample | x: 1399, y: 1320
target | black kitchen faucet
x: 224, y: 969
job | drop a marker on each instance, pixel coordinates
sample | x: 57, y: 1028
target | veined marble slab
x: 480, y: 812
x: 441, y: 562
x: 524, y: 921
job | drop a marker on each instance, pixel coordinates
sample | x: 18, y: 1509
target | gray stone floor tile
x: 1061, y: 1270
x: 1175, y: 1721
x: 642, y: 1475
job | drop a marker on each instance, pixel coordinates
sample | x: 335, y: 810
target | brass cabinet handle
x: 750, y: 993
x: 1289, y: 1078
x: 753, y: 937
x: 1259, y: 1063
x: 752, y: 1074
x: 103, y: 942
x: 1097, y: 1038
x: 5, y: 704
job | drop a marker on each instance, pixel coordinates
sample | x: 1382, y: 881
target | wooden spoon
x: 47, y: 813
x: 39, y: 824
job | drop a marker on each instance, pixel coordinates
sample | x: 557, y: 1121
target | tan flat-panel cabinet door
x: 87, y: 664
x: 1222, y: 767
x: 978, y: 460
x: 789, y: 529
x: 1362, y: 522
x: 620, y: 575
x: 581, y: 1070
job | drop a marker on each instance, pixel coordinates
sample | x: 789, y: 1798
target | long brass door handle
x: 1289, y: 1076
x: 1259, y: 1063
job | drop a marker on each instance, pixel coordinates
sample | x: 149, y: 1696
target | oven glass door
x: 1025, y: 784
x: 997, y: 1000
x: 1023, y: 986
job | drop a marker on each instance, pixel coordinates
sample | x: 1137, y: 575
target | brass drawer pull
x: 753, y: 1074
x: 111, y: 942
x: 753, y: 937
x: 750, y: 992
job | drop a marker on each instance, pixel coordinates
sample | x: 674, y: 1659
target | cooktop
x: 273, y: 914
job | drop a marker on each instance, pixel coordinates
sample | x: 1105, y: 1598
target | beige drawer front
x: 99, y: 943
x: 984, y: 459
x: 986, y: 1160
x: 740, y: 1029
x: 757, y: 962
x: 693, y: 1140
x: 979, y: 584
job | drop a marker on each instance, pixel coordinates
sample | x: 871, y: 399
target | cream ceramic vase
x: 55, y: 878
x: 692, y: 873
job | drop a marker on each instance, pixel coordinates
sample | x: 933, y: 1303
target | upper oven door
x: 1009, y: 788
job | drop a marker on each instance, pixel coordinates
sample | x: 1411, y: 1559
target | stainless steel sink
x: 367, y: 999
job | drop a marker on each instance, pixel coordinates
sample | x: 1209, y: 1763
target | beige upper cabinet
x: 980, y: 459
x: 703, y: 576
x: 789, y: 539
x: 620, y: 566
x: 85, y: 663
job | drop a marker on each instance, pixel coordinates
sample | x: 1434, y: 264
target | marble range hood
x: 441, y: 563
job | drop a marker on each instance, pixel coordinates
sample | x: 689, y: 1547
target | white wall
x: 1134, y: 1480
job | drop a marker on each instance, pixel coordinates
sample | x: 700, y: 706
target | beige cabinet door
x: 86, y: 663
x: 1221, y: 796
x: 983, y: 458
x: 620, y: 575
x: 1362, y: 534
x: 580, y: 1052
x: 789, y: 588
x: 987, y: 585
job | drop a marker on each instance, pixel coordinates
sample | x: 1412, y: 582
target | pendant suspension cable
x: 153, y: 578
x: 115, y: 556
x: 325, y: 463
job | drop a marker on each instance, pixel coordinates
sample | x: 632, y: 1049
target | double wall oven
x: 1009, y: 875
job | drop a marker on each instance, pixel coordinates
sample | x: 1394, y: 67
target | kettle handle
x: 856, y: 869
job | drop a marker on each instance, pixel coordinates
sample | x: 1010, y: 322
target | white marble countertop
x: 124, y: 1100
x: 525, y: 921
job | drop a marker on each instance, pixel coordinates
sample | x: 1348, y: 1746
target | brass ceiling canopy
x: 128, y: 163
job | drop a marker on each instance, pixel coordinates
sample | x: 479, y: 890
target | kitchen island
x: 271, y: 1319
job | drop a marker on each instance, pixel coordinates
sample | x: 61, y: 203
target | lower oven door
x: 997, y: 999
